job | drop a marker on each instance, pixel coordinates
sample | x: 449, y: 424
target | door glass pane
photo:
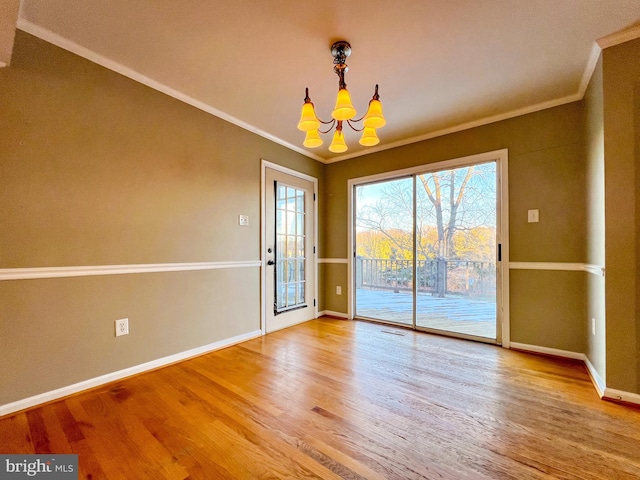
x: 281, y: 194
x: 290, y: 248
x: 456, y: 243
x: 454, y: 256
x: 300, y: 223
x: 280, y: 219
x: 384, y: 251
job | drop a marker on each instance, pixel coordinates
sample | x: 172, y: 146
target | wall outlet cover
x: 122, y: 327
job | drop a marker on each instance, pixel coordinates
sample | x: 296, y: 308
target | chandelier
x: 344, y: 112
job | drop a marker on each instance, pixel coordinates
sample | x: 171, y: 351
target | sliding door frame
x: 502, y: 231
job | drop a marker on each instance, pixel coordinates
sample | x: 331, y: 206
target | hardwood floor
x: 337, y: 399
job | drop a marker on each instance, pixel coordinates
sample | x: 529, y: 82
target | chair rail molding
x: 86, y: 271
x: 561, y: 266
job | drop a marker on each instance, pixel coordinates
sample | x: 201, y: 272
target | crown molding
x: 594, y: 56
x: 66, y: 44
x: 71, y: 46
x: 621, y: 36
x: 465, y: 126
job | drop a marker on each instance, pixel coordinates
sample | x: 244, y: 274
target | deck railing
x: 439, y: 277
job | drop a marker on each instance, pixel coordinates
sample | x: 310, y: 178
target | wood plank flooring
x: 336, y: 399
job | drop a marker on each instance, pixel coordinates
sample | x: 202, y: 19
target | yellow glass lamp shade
x: 338, y: 144
x: 374, y: 117
x: 312, y: 139
x: 308, y: 119
x: 344, y: 108
x: 369, y: 137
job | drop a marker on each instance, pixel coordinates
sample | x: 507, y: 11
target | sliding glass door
x: 426, y: 250
x: 385, y: 251
x: 456, y: 217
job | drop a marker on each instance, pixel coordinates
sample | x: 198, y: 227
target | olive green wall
x: 60, y: 331
x: 334, y: 275
x: 544, y: 298
x: 594, y: 156
x: 546, y: 171
x: 621, y: 75
x: 97, y: 169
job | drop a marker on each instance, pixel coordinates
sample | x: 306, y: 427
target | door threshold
x: 442, y: 333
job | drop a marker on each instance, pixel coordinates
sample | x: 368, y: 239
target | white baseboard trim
x: 596, y: 379
x: 621, y: 396
x: 331, y: 313
x: 598, y: 383
x: 90, y: 270
x: 554, y: 352
x: 120, y: 374
x: 603, y: 392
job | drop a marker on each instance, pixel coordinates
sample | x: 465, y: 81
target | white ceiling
x: 442, y: 65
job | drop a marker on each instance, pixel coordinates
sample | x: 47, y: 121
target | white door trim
x: 501, y: 158
x: 263, y: 235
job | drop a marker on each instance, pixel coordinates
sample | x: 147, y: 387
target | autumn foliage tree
x: 455, y: 216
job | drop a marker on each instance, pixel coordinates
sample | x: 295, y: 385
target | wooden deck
x: 453, y: 314
x: 332, y: 399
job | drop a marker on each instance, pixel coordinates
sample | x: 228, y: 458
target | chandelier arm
x: 354, y: 128
x: 332, y: 122
x: 356, y: 120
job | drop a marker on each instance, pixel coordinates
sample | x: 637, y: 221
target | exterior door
x: 289, y: 250
x: 457, y: 228
x: 385, y: 250
x: 428, y: 247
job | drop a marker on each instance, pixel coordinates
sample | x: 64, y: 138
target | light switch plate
x: 243, y: 220
x: 533, y: 216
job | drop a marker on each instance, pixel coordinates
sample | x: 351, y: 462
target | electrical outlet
x: 243, y: 220
x: 593, y: 326
x: 122, y: 327
x: 338, y: 290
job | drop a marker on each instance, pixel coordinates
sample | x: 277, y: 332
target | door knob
x: 271, y: 262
